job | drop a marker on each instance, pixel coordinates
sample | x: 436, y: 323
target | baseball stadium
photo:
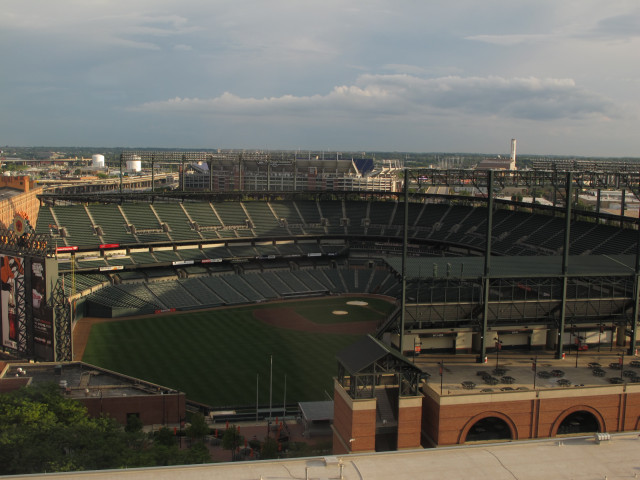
x: 253, y: 284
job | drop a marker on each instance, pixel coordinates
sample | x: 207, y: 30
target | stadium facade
x: 467, y: 272
x: 263, y: 171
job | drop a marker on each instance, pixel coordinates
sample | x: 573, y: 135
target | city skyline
x: 401, y: 76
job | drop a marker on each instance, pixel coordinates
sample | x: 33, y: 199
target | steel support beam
x: 210, y: 163
x: 121, y: 159
x: 62, y: 324
x: 405, y: 241
x: 636, y: 300
x: 182, y: 177
x: 486, y: 278
x: 565, y: 262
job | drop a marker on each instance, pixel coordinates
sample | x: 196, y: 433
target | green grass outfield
x: 215, y: 355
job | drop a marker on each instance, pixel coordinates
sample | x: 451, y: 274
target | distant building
x: 262, y: 172
x: 497, y: 163
x: 500, y: 163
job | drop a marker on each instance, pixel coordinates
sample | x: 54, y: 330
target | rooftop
x: 515, y: 375
x: 562, y: 459
x: 79, y: 379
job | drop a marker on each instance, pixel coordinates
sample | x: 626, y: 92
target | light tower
x: 512, y: 164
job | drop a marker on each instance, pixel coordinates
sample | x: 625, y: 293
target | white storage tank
x: 135, y: 164
x: 97, y: 161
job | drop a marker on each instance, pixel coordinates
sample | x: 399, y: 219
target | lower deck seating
x: 166, y: 291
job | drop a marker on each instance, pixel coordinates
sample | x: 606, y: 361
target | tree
x: 231, y: 440
x: 134, y: 424
x: 269, y: 448
x: 198, y: 427
x: 165, y: 437
x: 198, y: 453
x: 40, y: 431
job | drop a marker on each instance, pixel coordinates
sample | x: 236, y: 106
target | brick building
x: 102, y: 391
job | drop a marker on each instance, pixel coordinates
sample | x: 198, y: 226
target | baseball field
x: 217, y: 356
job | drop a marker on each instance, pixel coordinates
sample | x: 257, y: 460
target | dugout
x: 316, y: 417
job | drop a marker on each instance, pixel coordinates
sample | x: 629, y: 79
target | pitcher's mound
x: 340, y: 312
x: 360, y: 303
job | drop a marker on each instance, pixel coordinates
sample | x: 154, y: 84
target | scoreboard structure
x: 35, y: 314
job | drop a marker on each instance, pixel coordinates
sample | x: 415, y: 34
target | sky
x: 562, y: 77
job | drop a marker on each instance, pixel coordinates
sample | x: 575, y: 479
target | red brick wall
x: 534, y: 418
x: 456, y: 420
x: 430, y: 419
x: 632, y: 413
x: 409, y: 424
x: 359, y: 425
x: 153, y: 409
x: 24, y: 202
x: 364, y: 430
x: 606, y: 409
x: 341, y: 419
x: 22, y: 182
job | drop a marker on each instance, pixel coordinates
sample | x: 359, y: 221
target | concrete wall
x: 464, y: 342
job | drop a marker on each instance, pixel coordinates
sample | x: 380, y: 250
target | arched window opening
x: 577, y: 423
x: 489, y: 429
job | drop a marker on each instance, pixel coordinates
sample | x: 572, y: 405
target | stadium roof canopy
x: 515, y: 267
x: 365, y: 352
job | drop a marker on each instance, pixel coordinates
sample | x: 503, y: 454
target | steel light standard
x: 498, y: 347
x: 270, y: 383
x: 534, y: 367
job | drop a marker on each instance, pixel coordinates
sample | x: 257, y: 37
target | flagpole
x: 270, y: 383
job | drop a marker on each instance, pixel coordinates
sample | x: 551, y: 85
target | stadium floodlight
x: 498, y: 348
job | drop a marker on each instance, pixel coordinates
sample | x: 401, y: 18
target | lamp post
x: 498, y: 347
x: 257, y: 393
x: 612, y: 330
x: 270, y: 383
x: 534, y: 367
x: 441, y: 374
x: 600, y: 328
x: 418, y: 300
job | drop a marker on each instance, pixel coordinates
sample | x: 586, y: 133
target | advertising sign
x: 42, y: 314
x: 11, y: 279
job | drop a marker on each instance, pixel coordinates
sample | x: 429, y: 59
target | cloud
x: 625, y: 26
x: 399, y: 95
x: 515, y: 39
